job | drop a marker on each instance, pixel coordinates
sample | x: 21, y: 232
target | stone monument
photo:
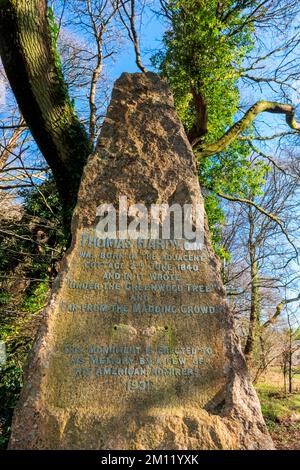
x: 137, y: 348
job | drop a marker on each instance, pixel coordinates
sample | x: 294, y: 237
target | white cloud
x: 2, y: 92
x: 295, y: 98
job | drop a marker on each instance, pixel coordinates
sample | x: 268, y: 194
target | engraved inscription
x: 128, y: 279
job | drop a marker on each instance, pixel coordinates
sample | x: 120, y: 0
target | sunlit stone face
x: 137, y: 349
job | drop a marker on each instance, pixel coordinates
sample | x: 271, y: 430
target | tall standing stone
x: 137, y: 349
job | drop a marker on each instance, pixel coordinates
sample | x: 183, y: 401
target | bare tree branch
x: 263, y: 211
x: 279, y: 309
x: 243, y: 124
x: 131, y: 30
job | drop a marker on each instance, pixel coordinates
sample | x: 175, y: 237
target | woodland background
x: 234, y: 69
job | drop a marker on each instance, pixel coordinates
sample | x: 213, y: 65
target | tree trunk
x: 254, y: 308
x: 290, y: 371
x: 199, y: 129
x: 33, y: 69
x: 284, y: 373
x: 263, y: 360
x: 290, y: 356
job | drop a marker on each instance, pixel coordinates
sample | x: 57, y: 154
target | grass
x: 276, y: 405
x: 281, y: 412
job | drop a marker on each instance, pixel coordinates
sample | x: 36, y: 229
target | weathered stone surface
x: 182, y: 382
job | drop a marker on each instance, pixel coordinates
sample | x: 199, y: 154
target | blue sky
x: 150, y: 41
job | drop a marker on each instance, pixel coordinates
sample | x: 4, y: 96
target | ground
x: 281, y: 410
